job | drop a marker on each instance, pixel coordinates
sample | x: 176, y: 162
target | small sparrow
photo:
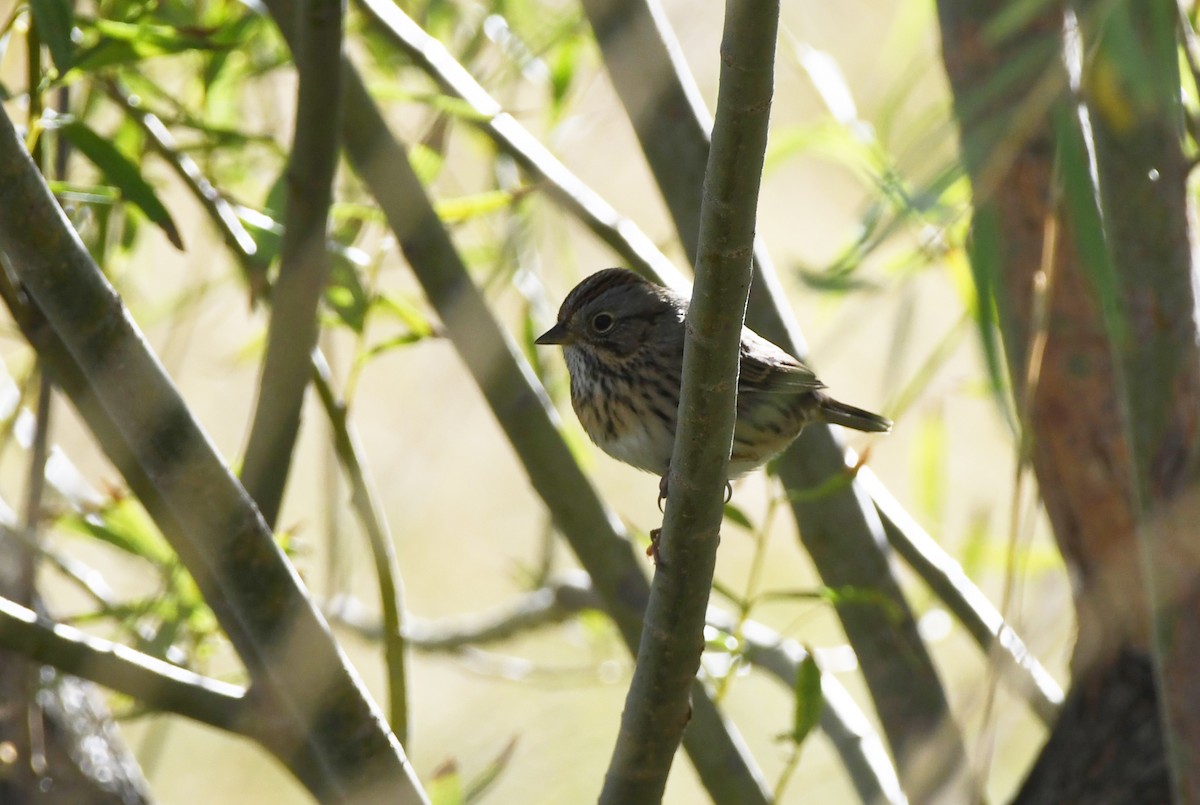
x: 622, y: 337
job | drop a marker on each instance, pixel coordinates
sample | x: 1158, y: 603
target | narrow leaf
x: 54, y: 20
x: 809, y: 699
x: 120, y: 172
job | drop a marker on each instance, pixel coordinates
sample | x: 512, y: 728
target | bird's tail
x: 838, y: 413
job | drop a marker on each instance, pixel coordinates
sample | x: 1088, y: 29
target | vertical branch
x: 304, y: 267
x: 841, y: 531
x: 656, y: 708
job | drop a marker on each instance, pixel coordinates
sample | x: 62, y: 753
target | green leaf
x: 837, y: 481
x: 346, y: 295
x: 407, y: 312
x: 483, y: 781
x: 54, y: 20
x: 124, y: 525
x: 446, y: 786
x: 456, y: 210
x: 426, y: 162
x: 930, y: 459
x: 1087, y: 224
x: 984, y: 250
x: 809, y: 699
x: 122, y: 173
x: 84, y: 193
x: 124, y: 43
x: 738, y: 517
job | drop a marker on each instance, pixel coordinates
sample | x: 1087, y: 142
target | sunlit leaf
x: 445, y: 787
x: 829, y: 140
x: 482, y: 782
x: 124, y: 525
x: 456, y: 210
x: 929, y: 459
x: 406, y: 312
x: 426, y: 162
x: 85, y: 193
x: 123, y: 43
x: 809, y: 701
x: 121, y: 172
x: 738, y: 517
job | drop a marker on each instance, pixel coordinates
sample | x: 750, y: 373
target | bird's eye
x: 602, y: 322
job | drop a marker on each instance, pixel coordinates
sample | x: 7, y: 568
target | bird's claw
x: 652, y: 548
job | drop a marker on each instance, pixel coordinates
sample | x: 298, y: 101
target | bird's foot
x: 652, y: 548
x: 662, y: 491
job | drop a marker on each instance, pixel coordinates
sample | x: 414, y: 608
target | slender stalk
x: 656, y: 709
x: 304, y: 265
x: 365, y: 503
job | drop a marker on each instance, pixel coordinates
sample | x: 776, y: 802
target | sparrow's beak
x: 555, y: 335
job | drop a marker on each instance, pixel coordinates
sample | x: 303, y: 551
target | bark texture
x: 1033, y: 252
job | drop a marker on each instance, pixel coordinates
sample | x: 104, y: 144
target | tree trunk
x: 1111, y: 439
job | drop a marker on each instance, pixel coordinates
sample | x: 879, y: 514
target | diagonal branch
x: 656, y: 709
x: 147, y: 679
x: 363, y: 499
x: 324, y: 728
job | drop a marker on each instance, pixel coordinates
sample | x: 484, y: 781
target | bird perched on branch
x: 622, y: 337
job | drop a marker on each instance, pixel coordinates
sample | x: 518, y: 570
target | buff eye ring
x: 602, y: 322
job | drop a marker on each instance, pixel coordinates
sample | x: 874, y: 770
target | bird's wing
x: 767, y: 368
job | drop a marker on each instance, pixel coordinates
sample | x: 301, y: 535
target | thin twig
x: 365, y: 503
